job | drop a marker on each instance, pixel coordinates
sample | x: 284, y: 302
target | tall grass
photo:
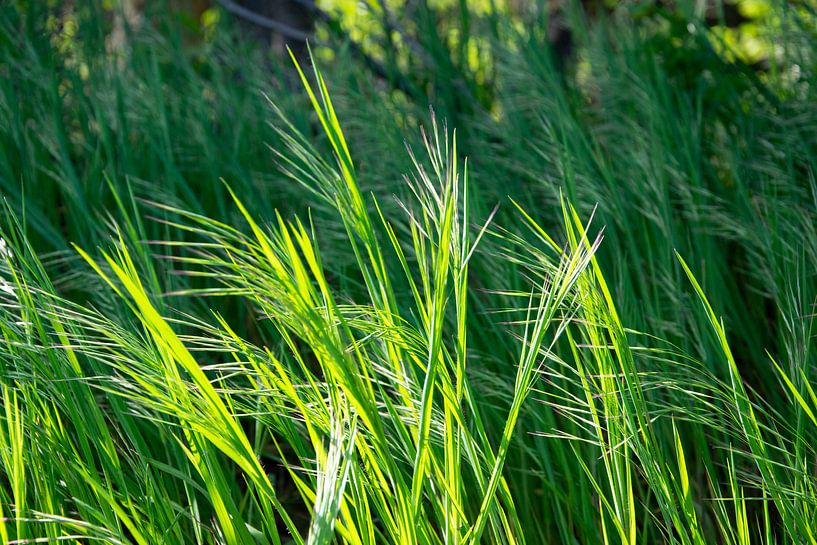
x: 596, y: 328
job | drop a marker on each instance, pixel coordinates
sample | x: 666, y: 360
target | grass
x: 236, y: 308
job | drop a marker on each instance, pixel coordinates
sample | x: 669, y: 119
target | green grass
x: 236, y: 308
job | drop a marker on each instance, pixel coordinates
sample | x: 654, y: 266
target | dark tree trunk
x: 292, y: 14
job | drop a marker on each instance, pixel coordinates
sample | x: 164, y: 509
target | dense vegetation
x: 241, y: 303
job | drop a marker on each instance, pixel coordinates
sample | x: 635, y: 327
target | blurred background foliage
x: 166, y: 97
x: 417, y: 43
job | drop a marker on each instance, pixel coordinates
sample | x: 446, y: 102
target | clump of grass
x: 446, y: 366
